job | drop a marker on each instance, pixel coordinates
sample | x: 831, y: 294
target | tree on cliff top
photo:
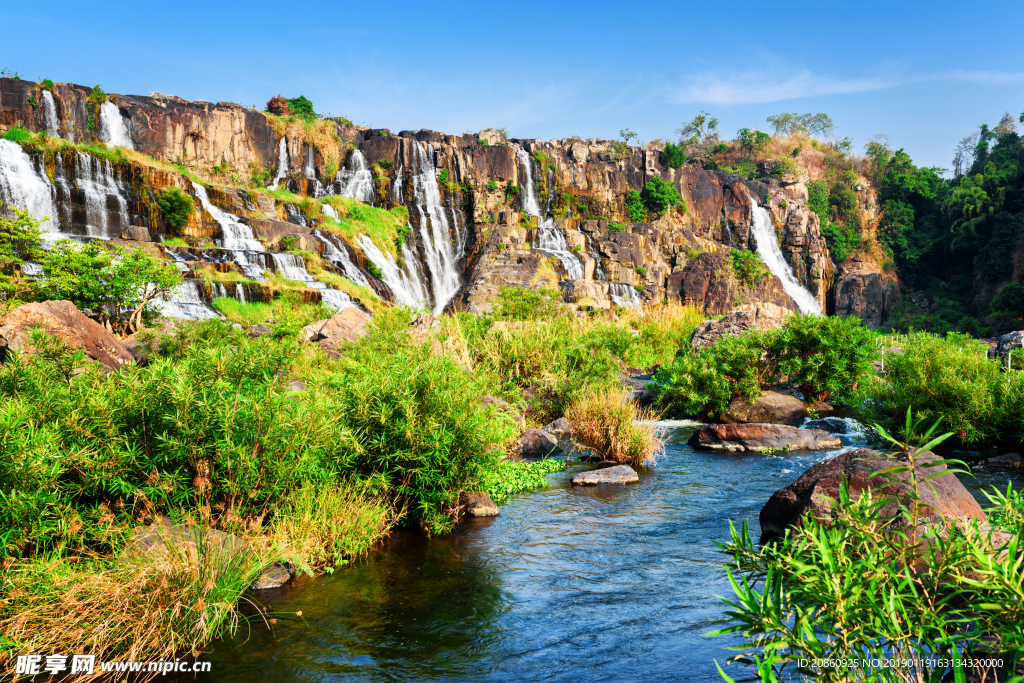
x: 116, y: 285
x: 802, y: 124
x: 302, y: 107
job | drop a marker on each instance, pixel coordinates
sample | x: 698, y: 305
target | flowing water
x: 356, y: 181
x: 282, y: 163
x: 23, y: 184
x: 550, y: 238
x: 112, y: 127
x: 609, y: 583
x: 50, y: 115
x: 769, y: 251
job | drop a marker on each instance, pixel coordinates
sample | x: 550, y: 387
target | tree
x: 301, y: 106
x: 752, y: 142
x: 277, y: 105
x: 116, y: 285
x: 1010, y: 300
x: 635, y: 207
x: 175, y: 207
x: 675, y: 156
x: 627, y: 135
x: 19, y: 244
x: 703, y: 129
x: 788, y: 124
x: 660, y: 196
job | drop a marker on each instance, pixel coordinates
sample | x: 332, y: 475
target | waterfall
x: 106, y: 210
x: 598, y: 268
x: 356, y: 182
x: 550, y: 238
x: 405, y: 285
x: 293, y: 267
x: 338, y: 255
x: 396, y: 188
x: 769, y: 251
x: 623, y: 295
x: 336, y: 299
x: 112, y: 128
x: 328, y: 210
x: 435, y: 232
x: 282, y: 163
x: 235, y: 235
x: 50, y: 115
x: 188, y: 301
x: 25, y: 186
x: 316, y: 188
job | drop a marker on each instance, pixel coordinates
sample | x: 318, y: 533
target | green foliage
x: 750, y: 270
x: 841, y: 239
x: 823, y: 356
x: 18, y: 134
x: 97, y: 96
x: 176, y: 207
x: 752, y: 142
x: 509, y: 477
x: 511, y: 191
x: 483, y: 142
x: 675, y: 156
x: 117, y: 285
x: 817, y: 197
x: 784, y: 168
x: 949, y: 378
x: 660, y: 196
x: 46, y: 84
x: 635, y: 207
x: 19, y: 239
x: 1010, y: 300
x: 492, y: 185
x: 520, y: 303
x: 302, y: 107
x: 802, y: 124
x: 616, y: 227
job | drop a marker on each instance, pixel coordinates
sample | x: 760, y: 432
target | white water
x: 309, y: 173
x: 435, y: 233
x: 50, y: 115
x: 406, y: 284
x: 235, y: 235
x: 188, y: 302
x: 106, y: 209
x: 336, y: 299
x: 328, y: 210
x: 550, y: 239
x: 23, y: 186
x: 769, y: 251
x: 356, y: 182
x: 623, y: 295
x: 282, y: 163
x: 339, y: 256
x: 396, y: 188
x: 220, y: 289
x: 293, y: 267
x: 112, y: 128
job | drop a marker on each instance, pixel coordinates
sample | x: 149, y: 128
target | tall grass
x: 615, y: 428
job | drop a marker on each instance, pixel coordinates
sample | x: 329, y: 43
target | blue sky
x: 925, y: 74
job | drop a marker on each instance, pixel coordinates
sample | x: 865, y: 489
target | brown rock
x: 760, y: 316
x: 812, y: 491
x: 65, y: 322
x: 348, y: 324
x: 137, y: 233
x: 536, y: 443
x: 771, y: 407
x: 478, y: 504
x: 757, y: 438
x: 1008, y: 461
x: 617, y: 474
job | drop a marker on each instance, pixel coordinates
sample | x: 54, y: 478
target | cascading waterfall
x: 406, y: 284
x: 435, y: 231
x: 338, y: 255
x: 769, y: 251
x: 188, y: 301
x: 50, y: 115
x: 309, y: 173
x: 235, y: 235
x: 550, y: 239
x: 623, y: 295
x: 106, y: 210
x: 356, y: 182
x: 25, y: 186
x: 293, y: 267
x: 396, y: 188
x: 282, y: 163
x: 112, y: 129
x: 599, y: 273
x: 328, y: 210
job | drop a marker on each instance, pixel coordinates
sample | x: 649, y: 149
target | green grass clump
x: 385, y: 228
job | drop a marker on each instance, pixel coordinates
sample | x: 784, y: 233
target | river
x: 612, y: 583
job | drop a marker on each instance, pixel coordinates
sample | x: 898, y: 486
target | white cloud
x: 755, y: 88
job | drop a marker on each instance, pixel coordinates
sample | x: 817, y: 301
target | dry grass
x: 615, y: 428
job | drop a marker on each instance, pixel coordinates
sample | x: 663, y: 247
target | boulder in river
x: 536, y: 443
x: 832, y: 425
x: 817, y: 488
x: 759, y: 437
x: 1007, y: 461
x: 478, y: 504
x: 771, y: 407
x: 619, y: 474
x: 62, y: 320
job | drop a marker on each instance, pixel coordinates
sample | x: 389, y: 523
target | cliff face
x: 482, y: 216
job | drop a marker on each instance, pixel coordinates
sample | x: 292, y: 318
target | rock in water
x: 536, y: 443
x: 620, y: 474
x: 559, y: 426
x: 832, y: 425
x: 812, y: 491
x: 478, y: 504
x: 1008, y: 461
x: 758, y: 437
x: 62, y: 320
x: 771, y: 407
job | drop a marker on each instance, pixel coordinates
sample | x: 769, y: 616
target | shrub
x: 520, y: 303
x: 46, y: 84
x: 1010, y: 300
x: 176, y: 207
x: 511, y: 190
x: 675, y: 155
x: 748, y: 267
x: 301, y: 107
x: 18, y: 134
x: 660, y: 196
x: 614, y: 427
x: 492, y: 186
x: 817, y: 198
x: 616, y: 227
x: 823, y: 355
x: 97, y: 96
x: 277, y: 105
x: 784, y: 167
x: 635, y: 208
x: 483, y: 142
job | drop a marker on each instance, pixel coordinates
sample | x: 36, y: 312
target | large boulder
x: 478, y: 504
x: 771, y: 407
x: 1011, y: 341
x: 536, y: 443
x: 817, y: 488
x: 348, y: 324
x: 759, y: 316
x: 758, y: 438
x: 65, y: 322
x: 620, y: 474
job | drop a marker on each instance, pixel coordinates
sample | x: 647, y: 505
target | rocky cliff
x: 484, y: 212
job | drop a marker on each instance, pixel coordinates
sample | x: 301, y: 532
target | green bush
x: 302, y: 107
x: 1010, y: 300
x: 660, y: 196
x: 492, y: 185
x: 748, y: 267
x: 97, y: 96
x: 675, y: 155
x: 46, y: 84
x: 175, y: 207
x: 616, y: 227
x: 949, y: 378
x: 519, y: 303
x: 824, y: 355
x: 817, y: 198
x: 635, y: 208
